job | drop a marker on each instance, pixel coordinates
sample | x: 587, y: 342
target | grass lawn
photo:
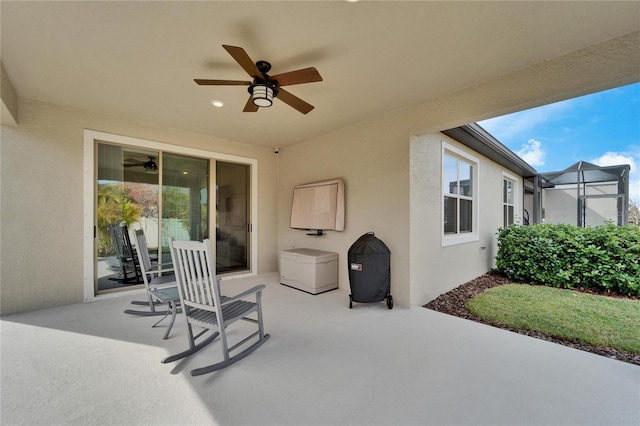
x: 592, y: 319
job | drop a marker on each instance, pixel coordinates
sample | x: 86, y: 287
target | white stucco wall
x: 42, y: 199
x: 393, y: 188
x: 436, y: 269
x: 372, y: 159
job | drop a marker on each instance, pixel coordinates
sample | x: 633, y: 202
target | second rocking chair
x: 161, y: 289
x: 204, y: 306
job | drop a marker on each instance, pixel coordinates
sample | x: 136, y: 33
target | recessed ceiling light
x: 217, y: 104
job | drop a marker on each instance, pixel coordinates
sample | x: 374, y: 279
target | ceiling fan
x: 263, y: 88
x: 150, y: 166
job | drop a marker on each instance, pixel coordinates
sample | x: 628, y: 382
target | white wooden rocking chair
x: 202, y: 304
x: 161, y: 289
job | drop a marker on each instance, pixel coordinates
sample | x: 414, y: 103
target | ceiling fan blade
x: 250, y: 106
x: 305, y: 75
x: 203, y: 82
x: 294, y: 101
x: 244, y: 60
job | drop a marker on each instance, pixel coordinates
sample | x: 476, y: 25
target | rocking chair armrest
x: 163, y: 285
x: 202, y: 306
x: 155, y: 270
x: 256, y: 289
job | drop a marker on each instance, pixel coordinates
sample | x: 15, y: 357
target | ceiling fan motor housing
x: 263, y: 67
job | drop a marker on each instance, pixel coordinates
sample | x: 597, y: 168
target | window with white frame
x: 459, y: 195
x: 510, y: 199
x: 509, y: 190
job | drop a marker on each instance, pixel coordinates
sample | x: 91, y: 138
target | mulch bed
x: 454, y: 303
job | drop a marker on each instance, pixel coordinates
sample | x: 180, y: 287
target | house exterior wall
x: 42, y: 199
x: 393, y: 188
x: 372, y: 159
x: 436, y: 269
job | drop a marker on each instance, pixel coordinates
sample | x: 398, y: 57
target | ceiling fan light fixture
x: 262, y: 95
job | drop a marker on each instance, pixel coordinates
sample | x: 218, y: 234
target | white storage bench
x: 312, y: 271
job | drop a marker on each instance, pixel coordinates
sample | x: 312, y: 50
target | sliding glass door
x: 166, y: 191
x: 129, y: 197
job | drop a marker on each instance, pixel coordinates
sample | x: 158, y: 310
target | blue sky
x: 602, y: 128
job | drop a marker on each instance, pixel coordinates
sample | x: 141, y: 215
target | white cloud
x: 630, y: 158
x: 532, y: 153
x: 615, y: 159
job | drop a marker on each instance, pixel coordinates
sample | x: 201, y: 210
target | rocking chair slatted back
x: 198, y: 279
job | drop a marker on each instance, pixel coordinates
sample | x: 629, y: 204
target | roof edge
x: 474, y: 136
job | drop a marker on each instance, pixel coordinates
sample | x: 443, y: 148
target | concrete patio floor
x: 325, y: 364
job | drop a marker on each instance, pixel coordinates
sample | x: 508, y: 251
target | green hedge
x: 605, y: 258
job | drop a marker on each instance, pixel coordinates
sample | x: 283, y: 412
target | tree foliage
x: 128, y: 202
x: 115, y: 206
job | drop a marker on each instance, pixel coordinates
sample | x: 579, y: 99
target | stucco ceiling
x: 139, y: 59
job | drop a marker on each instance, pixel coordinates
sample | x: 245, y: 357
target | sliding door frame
x: 91, y: 137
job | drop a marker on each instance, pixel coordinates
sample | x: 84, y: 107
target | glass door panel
x: 185, y: 199
x: 232, y: 217
x: 127, y: 195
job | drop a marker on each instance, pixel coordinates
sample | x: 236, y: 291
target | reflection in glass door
x: 232, y: 217
x: 185, y: 199
x: 127, y: 198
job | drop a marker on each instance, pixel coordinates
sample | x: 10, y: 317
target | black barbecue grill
x: 369, y: 271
